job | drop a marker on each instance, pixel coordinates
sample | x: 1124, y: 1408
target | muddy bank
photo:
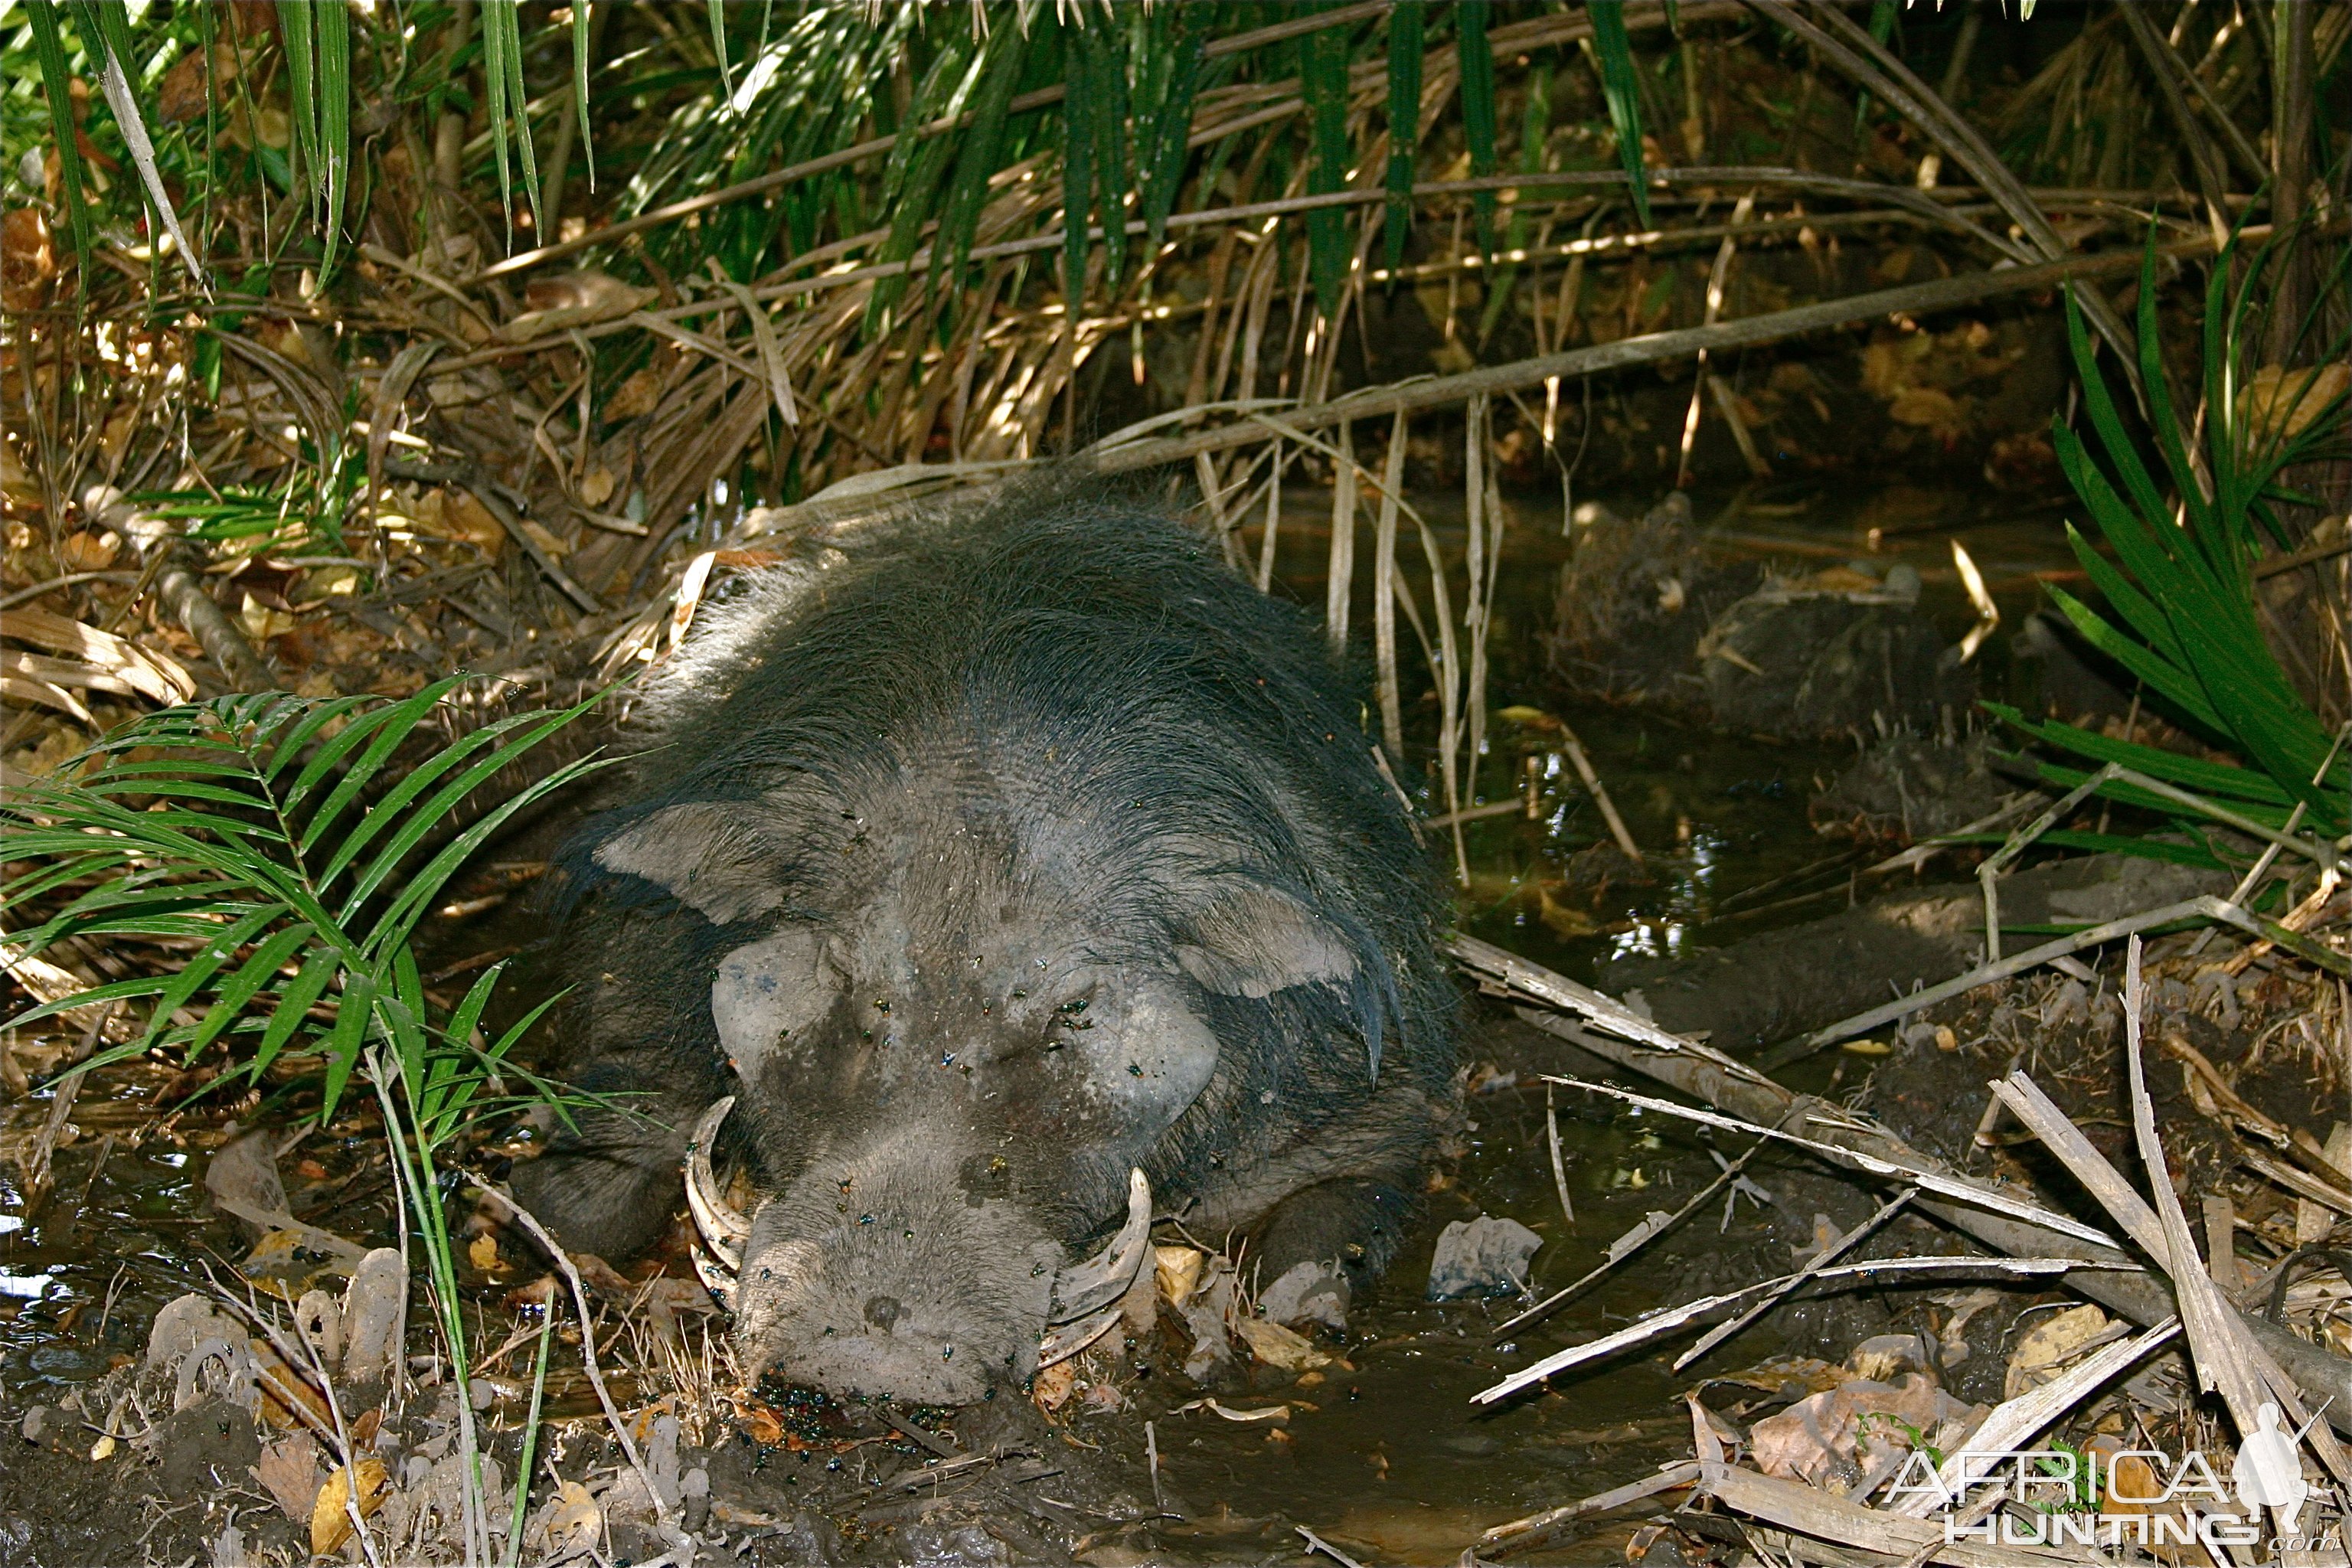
x: 1783, y: 983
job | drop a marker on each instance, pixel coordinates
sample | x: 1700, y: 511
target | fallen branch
x: 571, y: 1273
x: 1538, y: 1529
x: 2205, y: 905
x: 179, y: 584
x: 1649, y: 348
x: 1667, y: 1320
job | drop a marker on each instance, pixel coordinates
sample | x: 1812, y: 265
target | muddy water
x: 1383, y: 1450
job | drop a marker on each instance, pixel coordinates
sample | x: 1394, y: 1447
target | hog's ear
x: 707, y: 855
x: 1254, y: 941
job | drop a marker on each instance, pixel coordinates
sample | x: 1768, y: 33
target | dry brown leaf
x: 1938, y: 412
x: 574, y: 300
x: 141, y: 670
x: 1822, y: 1439
x: 454, y: 513
x: 28, y: 259
x: 282, y: 1388
x: 1052, y: 1388
x: 556, y: 549
x: 1277, y: 1346
x: 636, y: 395
x: 89, y: 550
x: 180, y: 96
x: 2280, y: 400
x: 597, y: 485
x: 288, y: 1472
x: 331, y: 1515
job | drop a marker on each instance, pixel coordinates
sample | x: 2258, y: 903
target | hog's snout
x: 876, y: 1274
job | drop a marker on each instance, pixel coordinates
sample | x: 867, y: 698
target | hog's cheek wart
x: 765, y: 992
x: 1152, y: 1030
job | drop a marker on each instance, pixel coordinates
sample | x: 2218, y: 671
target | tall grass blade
x: 57, y: 85
x: 1107, y: 80
x: 334, y: 110
x: 295, y: 33
x: 911, y: 179
x: 1404, y: 43
x: 502, y: 76
x: 1323, y: 72
x: 719, y: 47
x: 1077, y: 164
x: 1007, y: 52
x: 580, y: 84
x: 1621, y: 89
x: 1470, y: 18
x: 106, y: 34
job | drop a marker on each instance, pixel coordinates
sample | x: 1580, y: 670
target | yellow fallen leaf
x: 102, y: 1448
x: 1178, y: 1271
x: 330, y: 1517
x: 1277, y: 1346
x: 1866, y: 1048
x: 571, y: 1522
x: 2049, y: 1345
x: 1054, y: 1386
x: 482, y: 1252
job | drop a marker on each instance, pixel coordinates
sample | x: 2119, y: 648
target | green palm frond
x: 238, y: 824
x: 2179, y: 611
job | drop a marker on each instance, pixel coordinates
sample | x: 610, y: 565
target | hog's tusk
x: 723, y: 1230
x: 1103, y: 1278
x: 716, y: 1277
x: 1061, y: 1343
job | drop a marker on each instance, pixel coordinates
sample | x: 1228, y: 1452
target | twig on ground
x: 1540, y: 1529
x: 1633, y: 1241
x: 1828, y: 1255
x: 571, y: 1273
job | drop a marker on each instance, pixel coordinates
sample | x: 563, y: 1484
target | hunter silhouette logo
x: 2267, y: 1473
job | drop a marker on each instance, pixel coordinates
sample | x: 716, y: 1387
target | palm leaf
x: 1159, y: 161
x: 1108, y: 98
x: 977, y: 158
x: 502, y: 76
x: 1077, y: 164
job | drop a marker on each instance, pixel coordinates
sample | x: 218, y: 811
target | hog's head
x: 962, y: 1020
